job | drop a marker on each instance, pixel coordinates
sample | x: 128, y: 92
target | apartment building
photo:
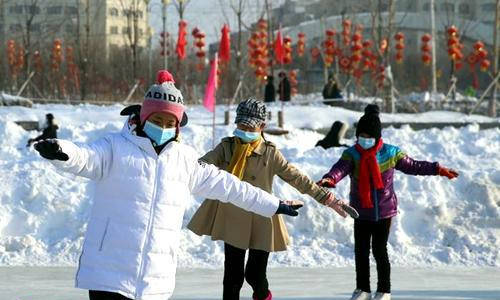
x: 108, y: 24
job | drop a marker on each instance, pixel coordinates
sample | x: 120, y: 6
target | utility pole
x: 492, y: 111
x: 165, y: 38
x: 433, y: 46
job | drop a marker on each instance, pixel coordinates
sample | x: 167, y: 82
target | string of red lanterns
x: 400, y: 46
x: 426, y: 49
x: 199, y: 43
x: 301, y: 44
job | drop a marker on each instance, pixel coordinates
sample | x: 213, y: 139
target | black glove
x: 286, y: 209
x: 50, y: 149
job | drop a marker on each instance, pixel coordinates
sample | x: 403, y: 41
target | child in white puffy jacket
x: 144, y: 180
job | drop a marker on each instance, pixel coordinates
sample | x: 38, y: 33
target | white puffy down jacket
x: 133, y: 233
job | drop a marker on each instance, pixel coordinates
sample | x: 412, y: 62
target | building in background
x: 108, y: 24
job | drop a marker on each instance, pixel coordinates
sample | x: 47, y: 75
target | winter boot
x: 360, y: 295
x: 269, y: 297
x: 382, y: 296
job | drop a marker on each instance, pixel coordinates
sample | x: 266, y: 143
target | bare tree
x: 133, y: 11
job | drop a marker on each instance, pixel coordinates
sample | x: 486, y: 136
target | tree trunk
x: 492, y: 111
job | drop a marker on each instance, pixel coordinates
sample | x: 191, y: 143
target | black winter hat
x: 369, y: 123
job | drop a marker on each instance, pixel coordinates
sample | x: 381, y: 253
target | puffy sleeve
x: 343, y: 167
x: 410, y: 166
x: 210, y: 182
x: 92, y: 160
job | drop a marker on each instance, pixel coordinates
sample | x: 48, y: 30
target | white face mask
x: 366, y: 143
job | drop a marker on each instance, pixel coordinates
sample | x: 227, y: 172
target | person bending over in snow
x: 370, y: 163
x: 49, y: 132
x: 144, y: 180
x: 253, y: 159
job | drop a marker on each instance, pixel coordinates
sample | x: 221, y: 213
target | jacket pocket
x: 101, y: 243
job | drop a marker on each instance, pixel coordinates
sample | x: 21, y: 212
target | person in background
x: 144, y: 180
x: 284, y: 88
x: 251, y: 158
x: 331, y: 90
x: 370, y: 164
x: 49, y: 131
x: 270, y: 90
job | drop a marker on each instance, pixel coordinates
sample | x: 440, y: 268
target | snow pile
x: 435, y: 97
x: 9, y: 100
x: 44, y: 212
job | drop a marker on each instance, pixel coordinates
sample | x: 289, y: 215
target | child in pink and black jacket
x: 370, y: 163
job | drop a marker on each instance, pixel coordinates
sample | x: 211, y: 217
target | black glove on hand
x: 286, y: 209
x: 50, y: 149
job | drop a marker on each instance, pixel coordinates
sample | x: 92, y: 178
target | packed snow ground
x: 441, y: 223
x: 447, y: 283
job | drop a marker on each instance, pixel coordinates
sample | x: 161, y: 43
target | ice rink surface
x: 56, y: 283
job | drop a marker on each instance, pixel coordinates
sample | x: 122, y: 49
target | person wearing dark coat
x: 49, y: 132
x: 270, y: 91
x: 284, y: 88
x: 331, y: 90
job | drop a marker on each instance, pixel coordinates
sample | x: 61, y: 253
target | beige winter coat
x: 244, y: 229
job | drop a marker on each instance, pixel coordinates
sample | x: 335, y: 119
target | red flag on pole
x: 209, y: 99
x: 181, y: 40
x: 225, y: 45
x: 279, y: 48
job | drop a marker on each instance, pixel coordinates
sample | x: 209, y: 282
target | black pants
x: 100, y: 295
x: 378, y: 233
x: 235, y: 272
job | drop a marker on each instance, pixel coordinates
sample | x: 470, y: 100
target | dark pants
x: 100, y: 295
x: 235, y: 272
x: 378, y: 233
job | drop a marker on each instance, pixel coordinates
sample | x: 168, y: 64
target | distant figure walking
x: 284, y: 88
x: 270, y: 90
x: 49, y: 131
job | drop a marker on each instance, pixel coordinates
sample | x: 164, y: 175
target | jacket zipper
x: 104, y: 234
x: 148, y: 231
x: 375, y: 199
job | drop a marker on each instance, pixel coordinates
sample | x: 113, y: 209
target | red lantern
x: 472, y: 59
x: 426, y: 58
x: 367, y: 44
x: 485, y: 64
x: 399, y: 36
x: 356, y: 58
x: 301, y: 44
x: 330, y: 32
x: 426, y: 38
x: 345, y: 62
x: 356, y: 37
x: 478, y: 45
x: 482, y: 53
x: 452, y: 30
x: 426, y: 48
x: 399, y: 57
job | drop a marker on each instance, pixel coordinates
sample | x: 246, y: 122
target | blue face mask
x: 246, y: 136
x: 366, y: 143
x: 159, y: 135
